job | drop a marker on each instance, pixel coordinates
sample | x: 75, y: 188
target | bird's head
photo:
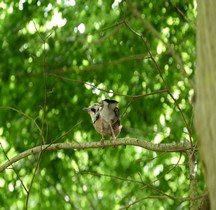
x: 93, y: 111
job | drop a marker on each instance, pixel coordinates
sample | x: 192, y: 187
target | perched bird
x: 105, y: 118
x: 110, y: 115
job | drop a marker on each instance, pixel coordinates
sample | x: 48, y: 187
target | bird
x: 105, y: 118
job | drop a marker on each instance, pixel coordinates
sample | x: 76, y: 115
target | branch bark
x: 165, y: 147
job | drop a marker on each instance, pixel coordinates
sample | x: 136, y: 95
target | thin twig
x: 110, y: 176
x: 164, y: 195
x: 25, y: 115
x: 14, y: 169
x: 150, y: 28
x: 172, y: 168
x: 160, y: 197
x: 164, y: 81
x: 44, y: 112
x: 108, y: 91
x: 92, y: 67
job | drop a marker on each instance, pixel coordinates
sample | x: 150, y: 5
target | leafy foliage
x: 73, y: 54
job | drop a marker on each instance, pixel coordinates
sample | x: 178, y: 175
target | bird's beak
x: 86, y: 109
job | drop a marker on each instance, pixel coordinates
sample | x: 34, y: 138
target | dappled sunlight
x: 59, y: 57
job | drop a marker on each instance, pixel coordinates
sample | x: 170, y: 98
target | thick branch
x: 166, y: 147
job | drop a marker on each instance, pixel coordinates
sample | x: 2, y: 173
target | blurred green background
x: 78, y: 43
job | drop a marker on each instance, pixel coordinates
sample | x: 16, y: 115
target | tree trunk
x: 205, y: 115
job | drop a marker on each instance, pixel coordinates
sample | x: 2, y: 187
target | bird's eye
x: 93, y: 109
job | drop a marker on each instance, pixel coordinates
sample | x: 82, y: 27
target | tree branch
x: 165, y: 147
x: 193, y: 178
